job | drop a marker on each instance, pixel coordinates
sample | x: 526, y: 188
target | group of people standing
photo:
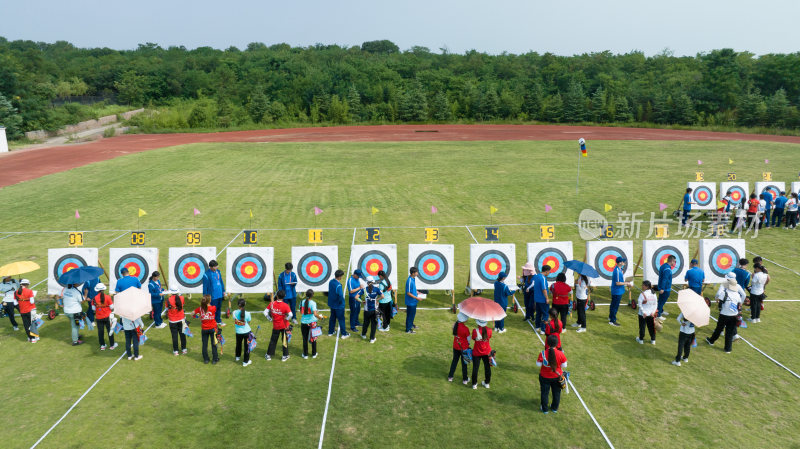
x: 762, y: 210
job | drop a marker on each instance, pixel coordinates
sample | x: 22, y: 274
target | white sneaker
x: 284, y: 358
x: 182, y: 352
x: 662, y: 318
x: 485, y: 384
x: 102, y: 347
x: 161, y: 326
x: 175, y: 353
x: 735, y: 337
x: 294, y: 321
x: 16, y: 328
x: 372, y: 341
x: 114, y: 346
x: 345, y: 336
x: 686, y: 360
x: 465, y: 382
x: 363, y: 337
x: 676, y: 363
x: 247, y: 363
x: 139, y: 357
x: 665, y: 313
x: 130, y: 358
x: 652, y: 342
x: 758, y: 320
x: 237, y: 359
x: 449, y: 379
x: 304, y: 356
x: 640, y: 341
x: 582, y: 329
x: 475, y: 387
x: 222, y: 324
x: 541, y: 332
x: 314, y: 356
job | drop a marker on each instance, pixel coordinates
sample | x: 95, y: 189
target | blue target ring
x: 553, y: 257
x: 723, y: 260
x: 737, y: 194
x: 702, y: 196
x: 249, y: 270
x: 773, y: 189
x: 490, y: 264
x: 373, y: 261
x: 660, y: 257
x: 65, y: 263
x: 432, y: 266
x: 606, y: 260
x: 136, y: 265
x: 189, y: 270
x: 314, y: 269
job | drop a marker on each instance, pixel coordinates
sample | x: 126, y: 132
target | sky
x: 681, y: 27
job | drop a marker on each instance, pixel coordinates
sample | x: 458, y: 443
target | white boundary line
x: 333, y: 366
x: 84, y: 394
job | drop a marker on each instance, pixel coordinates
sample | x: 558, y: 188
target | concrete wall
x: 82, y: 126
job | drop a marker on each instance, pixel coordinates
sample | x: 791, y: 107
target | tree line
x: 378, y: 83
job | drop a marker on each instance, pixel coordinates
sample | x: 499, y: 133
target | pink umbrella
x: 693, y: 307
x: 481, y: 309
x: 132, y: 303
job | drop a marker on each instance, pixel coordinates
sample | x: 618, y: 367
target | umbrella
x: 693, y: 307
x: 581, y: 268
x: 15, y: 268
x: 132, y: 303
x: 481, y: 309
x: 80, y: 275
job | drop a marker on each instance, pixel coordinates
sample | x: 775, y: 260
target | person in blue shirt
x: 336, y: 304
x: 742, y: 275
x: 618, y: 285
x: 540, y: 297
x: 214, y: 288
x: 526, y: 282
x: 501, y: 294
x: 768, y: 199
x: 126, y: 281
x: 354, y: 291
x: 665, y: 285
x: 89, y: 293
x: 372, y: 295
x: 695, y: 277
x: 287, y: 281
x: 411, y: 300
x: 780, y: 207
x: 687, y: 206
x: 156, y: 300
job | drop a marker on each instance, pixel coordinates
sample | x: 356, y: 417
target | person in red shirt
x: 561, y: 291
x: 554, y: 328
x: 24, y: 297
x: 281, y: 316
x: 480, y: 353
x: 103, y: 304
x: 176, y: 317
x: 208, y: 325
x: 752, y: 209
x: 552, y: 363
x: 460, y: 343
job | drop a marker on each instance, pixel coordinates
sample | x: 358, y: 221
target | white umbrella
x: 132, y: 303
x: 693, y: 307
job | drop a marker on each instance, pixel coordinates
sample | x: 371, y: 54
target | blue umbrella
x: 80, y: 275
x: 582, y: 268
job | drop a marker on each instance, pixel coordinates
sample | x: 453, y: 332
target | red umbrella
x: 481, y: 309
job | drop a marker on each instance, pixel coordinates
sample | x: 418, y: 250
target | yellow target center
x: 132, y: 271
x: 248, y: 270
x: 430, y: 267
x: 374, y: 267
x: 611, y: 264
x: 724, y: 260
x: 314, y: 269
x: 191, y: 270
x: 492, y: 266
x: 69, y: 269
x: 551, y: 264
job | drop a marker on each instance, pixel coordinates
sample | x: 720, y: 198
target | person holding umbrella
x: 552, y: 363
x: 730, y: 296
x: 24, y: 298
x: 526, y: 282
x: 582, y: 289
x: 7, y: 289
x: 480, y: 353
x: 132, y: 328
x: 72, y: 298
x: 156, y: 299
x: 685, y: 339
x: 461, y: 341
x: 648, y: 308
x: 501, y: 294
x: 618, y: 285
x: 103, y: 305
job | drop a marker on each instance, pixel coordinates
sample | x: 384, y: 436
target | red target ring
x: 431, y: 267
x: 493, y: 266
x: 191, y: 270
x: 373, y: 266
x: 314, y: 268
x: 724, y: 261
x: 249, y: 270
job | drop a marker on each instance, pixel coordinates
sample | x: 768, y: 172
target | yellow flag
x: 492, y: 210
x: 374, y: 210
x: 251, y: 213
x: 142, y: 212
x: 730, y: 161
x: 720, y: 204
x: 607, y: 207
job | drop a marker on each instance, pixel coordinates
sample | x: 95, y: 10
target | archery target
x: 249, y: 269
x: 795, y: 188
x: 775, y: 188
x: 371, y: 259
x: 187, y: 267
x: 718, y: 257
x: 738, y: 191
x: 703, y: 195
x: 656, y: 252
x: 603, y: 257
x: 435, y: 265
x: 61, y: 260
x: 487, y: 261
x: 555, y: 254
x: 315, y: 266
x: 140, y: 262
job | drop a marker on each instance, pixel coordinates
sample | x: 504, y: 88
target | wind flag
x: 699, y: 162
x: 375, y: 210
x: 662, y: 206
x: 434, y: 209
x: 607, y: 207
x: 196, y: 212
x: 582, y: 143
x: 318, y: 211
x: 730, y: 161
x: 142, y: 213
x: 766, y: 161
x: 547, y: 208
x: 251, y: 213
x: 77, y: 215
x: 492, y: 210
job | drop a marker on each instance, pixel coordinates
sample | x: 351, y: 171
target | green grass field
x: 394, y: 393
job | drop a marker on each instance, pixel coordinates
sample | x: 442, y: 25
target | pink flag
x: 77, y: 215
x: 547, y: 208
x: 434, y: 209
x: 317, y: 210
x: 196, y: 212
x: 662, y: 206
x: 699, y: 162
x: 766, y: 161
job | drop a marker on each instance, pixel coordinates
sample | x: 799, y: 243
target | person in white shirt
x: 791, y: 211
x: 7, y: 289
x: 762, y: 210
x: 685, y: 339
x: 730, y: 296
x: 648, y: 308
x: 73, y: 298
x: 582, y: 289
x: 758, y: 281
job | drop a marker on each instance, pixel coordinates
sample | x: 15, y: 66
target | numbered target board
x: 61, y: 260
x: 315, y: 266
x: 249, y: 270
x: 719, y: 257
x: 371, y: 259
x: 435, y: 264
x: 656, y: 252
x: 486, y: 261
x: 555, y: 254
x: 187, y: 267
x: 774, y: 187
x: 737, y: 191
x: 140, y: 262
x: 704, y: 195
x: 603, y: 257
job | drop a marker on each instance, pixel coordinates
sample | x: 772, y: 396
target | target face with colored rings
x: 65, y: 263
x: 314, y: 269
x: 606, y: 260
x: 737, y: 194
x: 371, y: 262
x: 249, y: 270
x: 553, y: 257
x: 189, y: 270
x: 432, y: 266
x: 490, y: 263
x: 773, y: 189
x: 723, y: 260
x: 661, y: 255
x: 137, y: 267
x: 702, y: 196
